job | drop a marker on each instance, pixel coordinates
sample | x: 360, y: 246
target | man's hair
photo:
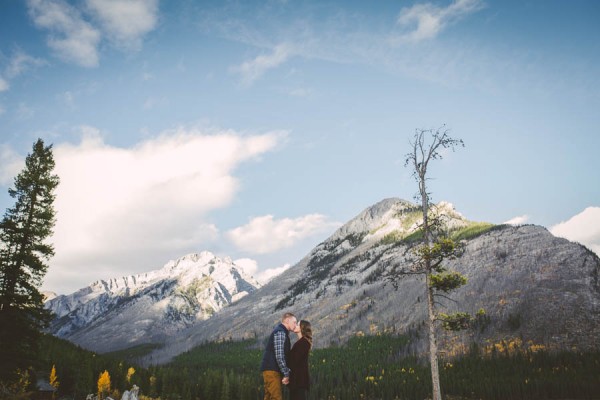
x: 286, y: 316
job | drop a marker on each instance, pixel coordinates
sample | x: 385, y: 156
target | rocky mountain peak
x: 49, y: 295
x: 394, y: 216
x: 532, y: 286
x: 373, y: 217
x: 154, y: 303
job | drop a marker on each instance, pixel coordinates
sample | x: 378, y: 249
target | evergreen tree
x: 225, y: 387
x: 153, y: 389
x: 23, y: 253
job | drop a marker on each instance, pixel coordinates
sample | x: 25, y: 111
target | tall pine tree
x: 23, y: 253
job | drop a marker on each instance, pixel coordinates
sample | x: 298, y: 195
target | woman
x: 298, y: 362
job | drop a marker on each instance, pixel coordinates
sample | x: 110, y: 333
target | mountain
x: 48, y: 295
x: 533, y: 286
x: 121, y: 312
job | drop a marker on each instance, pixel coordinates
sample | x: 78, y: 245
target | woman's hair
x: 306, y: 331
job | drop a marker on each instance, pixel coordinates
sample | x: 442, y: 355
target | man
x: 274, y: 364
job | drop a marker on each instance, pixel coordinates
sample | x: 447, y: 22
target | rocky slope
x: 121, y: 312
x: 532, y: 285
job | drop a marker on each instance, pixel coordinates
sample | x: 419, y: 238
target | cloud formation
x: 21, y: 62
x: 71, y: 37
x: 251, y: 70
x: 74, y: 34
x: 345, y: 38
x: 122, y: 210
x: 265, y: 276
x: 583, y: 228
x: 250, y: 267
x: 430, y: 20
x: 10, y: 164
x: 517, y: 220
x: 125, y: 22
x: 18, y: 63
x: 264, y: 235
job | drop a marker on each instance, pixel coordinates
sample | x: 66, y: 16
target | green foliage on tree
x: 432, y: 246
x: 369, y: 367
x: 225, y: 388
x: 447, y: 281
x: 23, y: 256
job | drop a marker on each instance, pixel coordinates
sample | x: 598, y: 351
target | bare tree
x: 435, y: 247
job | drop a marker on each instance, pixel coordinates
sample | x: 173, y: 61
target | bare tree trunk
x: 421, y: 154
x: 433, y: 350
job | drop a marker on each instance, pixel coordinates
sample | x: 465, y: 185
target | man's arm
x: 279, y: 341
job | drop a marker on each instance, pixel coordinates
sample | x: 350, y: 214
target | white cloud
x: 125, y: 21
x: 265, y: 276
x: 517, y: 220
x: 583, y: 228
x: 18, y: 64
x: 330, y: 39
x: 71, y: 37
x: 430, y: 20
x: 123, y: 210
x: 3, y: 85
x: 21, y: 62
x: 76, y: 40
x: 10, y: 164
x: 263, y: 235
x: 250, y: 267
x: 254, y: 69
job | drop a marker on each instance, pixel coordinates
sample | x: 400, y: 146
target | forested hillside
x: 531, y: 284
x: 368, y: 367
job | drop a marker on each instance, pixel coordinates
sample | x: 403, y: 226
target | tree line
x: 366, y: 367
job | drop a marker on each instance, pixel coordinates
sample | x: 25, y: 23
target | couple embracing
x: 284, y: 364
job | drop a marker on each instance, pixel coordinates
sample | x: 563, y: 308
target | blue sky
x: 254, y: 129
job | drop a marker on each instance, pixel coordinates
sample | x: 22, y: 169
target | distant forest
x: 368, y: 367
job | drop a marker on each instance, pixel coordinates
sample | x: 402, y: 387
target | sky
x: 254, y: 129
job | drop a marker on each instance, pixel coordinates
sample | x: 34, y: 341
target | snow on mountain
x: 146, y: 307
x: 531, y: 284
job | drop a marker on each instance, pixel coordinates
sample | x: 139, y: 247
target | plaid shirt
x: 279, y: 342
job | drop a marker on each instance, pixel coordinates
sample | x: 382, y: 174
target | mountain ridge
x: 518, y: 274
x: 533, y: 286
x: 158, y: 302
